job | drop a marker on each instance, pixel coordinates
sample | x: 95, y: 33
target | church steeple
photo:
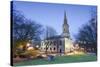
x: 65, y: 19
x: 65, y: 26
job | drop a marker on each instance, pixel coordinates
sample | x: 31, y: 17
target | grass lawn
x: 59, y: 59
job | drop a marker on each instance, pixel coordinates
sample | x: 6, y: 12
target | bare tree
x: 88, y: 35
x: 23, y: 30
x: 50, y: 32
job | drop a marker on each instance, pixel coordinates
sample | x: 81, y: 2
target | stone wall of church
x: 68, y: 45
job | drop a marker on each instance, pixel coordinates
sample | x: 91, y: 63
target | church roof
x: 56, y: 37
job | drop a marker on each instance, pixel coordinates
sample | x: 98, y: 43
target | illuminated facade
x: 60, y: 43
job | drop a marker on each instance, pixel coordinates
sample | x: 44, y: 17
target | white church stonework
x: 60, y: 43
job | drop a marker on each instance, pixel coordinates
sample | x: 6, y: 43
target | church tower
x: 65, y: 27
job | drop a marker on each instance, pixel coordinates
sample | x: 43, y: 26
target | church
x: 59, y: 43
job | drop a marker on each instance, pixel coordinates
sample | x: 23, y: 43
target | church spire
x: 65, y: 26
x: 65, y: 19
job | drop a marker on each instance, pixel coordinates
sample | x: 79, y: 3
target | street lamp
x: 28, y: 44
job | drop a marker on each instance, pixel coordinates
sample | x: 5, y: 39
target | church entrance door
x: 60, y: 51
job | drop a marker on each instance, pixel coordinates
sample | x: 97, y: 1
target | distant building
x: 60, y: 43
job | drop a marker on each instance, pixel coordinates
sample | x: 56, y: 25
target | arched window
x: 47, y: 48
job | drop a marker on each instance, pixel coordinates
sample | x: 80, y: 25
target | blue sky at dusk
x: 53, y: 14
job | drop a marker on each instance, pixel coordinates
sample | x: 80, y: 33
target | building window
x: 47, y: 43
x: 60, y: 42
x: 54, y: 48
x: 60, y: 51
x: 46, y: 48
x: 50, y: 43
x: 54, y: 42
